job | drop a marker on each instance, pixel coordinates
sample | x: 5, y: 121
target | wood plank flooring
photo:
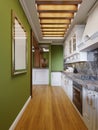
x: 50, y: 109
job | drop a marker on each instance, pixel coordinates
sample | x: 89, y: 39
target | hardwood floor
x: 50, y: 109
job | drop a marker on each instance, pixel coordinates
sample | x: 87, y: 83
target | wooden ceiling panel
x: 55, y: 26
x: 57, y: 8
x: 58, y: 2
x: 55, y: 21
x: 55, y: 16
x: 53, y: 33
x: 53, y: 30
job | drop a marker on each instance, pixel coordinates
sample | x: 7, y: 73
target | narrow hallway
x: 50, y: 109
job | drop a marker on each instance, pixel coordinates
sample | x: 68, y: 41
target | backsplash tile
x: 89, y: 68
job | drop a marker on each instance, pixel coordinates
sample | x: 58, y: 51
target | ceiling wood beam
x: 57, y: 11
x: 56, y: 17
x: 52, y: 31
x: 58, y: 2
x: 53, y: 35
x: 53, y: 27
x: 54, y: 23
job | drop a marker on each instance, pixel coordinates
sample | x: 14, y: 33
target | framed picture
x: 19, y: 46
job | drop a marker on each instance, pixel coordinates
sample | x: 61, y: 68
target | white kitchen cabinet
x: 70, y: 89
x: 90, y: 109
x: 77, y: 36
x: 90, y: 35
x: 90, y: 44
x: 71, y: 50
x: 67, y: 86
x: 62, y: 80
x: 56, y: 78
x: 76, y: 57
x: 40, y: 76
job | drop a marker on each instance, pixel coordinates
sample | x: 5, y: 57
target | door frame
x: 31, y: 75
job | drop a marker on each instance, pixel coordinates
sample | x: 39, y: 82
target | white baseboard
x: 19, y: 115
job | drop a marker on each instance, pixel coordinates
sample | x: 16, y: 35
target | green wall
x: 14, y: 91
x: 56, y: 58
x: 49, y: 64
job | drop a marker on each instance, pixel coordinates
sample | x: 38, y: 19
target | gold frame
x: 19, y: 46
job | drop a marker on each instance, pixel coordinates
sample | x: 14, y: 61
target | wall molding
x: 12, y: 127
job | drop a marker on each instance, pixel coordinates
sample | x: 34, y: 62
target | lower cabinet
x: 56, y: 78
x: 90, y: 109
x: 40, y: 76
x: 67, y: 85
x: 89, y: 102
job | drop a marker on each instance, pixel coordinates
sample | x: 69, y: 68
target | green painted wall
x: 49, y: 64
x: 56, y: 58
x: 14, y: 91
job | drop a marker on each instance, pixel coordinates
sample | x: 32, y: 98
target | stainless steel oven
x: 77, y: 96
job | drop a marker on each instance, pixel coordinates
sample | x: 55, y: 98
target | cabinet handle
x: 93, y: 98
x: 89, y: 99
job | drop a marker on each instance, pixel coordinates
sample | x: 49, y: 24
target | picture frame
x: 19, y: 46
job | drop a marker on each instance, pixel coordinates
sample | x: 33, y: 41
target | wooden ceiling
x: 55, y: 16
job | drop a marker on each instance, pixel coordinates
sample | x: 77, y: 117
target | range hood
x: 90, y: 43
x: 90, y: 35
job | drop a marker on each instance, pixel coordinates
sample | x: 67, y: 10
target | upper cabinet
x: 71, y: 51
x: 82, y: 38
x: 90, y: 35
x: 72, y: 43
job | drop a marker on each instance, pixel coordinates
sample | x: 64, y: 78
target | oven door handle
x: 76, y: 88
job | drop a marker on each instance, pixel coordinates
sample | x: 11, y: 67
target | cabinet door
x: 38, y: 78
x: 62, y: 80
x: 68, y: 87
x: 96, y: 110
x: 74, y: 42
x: 86, y: 108
x: 90, y: 106
x: 56, y: 78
